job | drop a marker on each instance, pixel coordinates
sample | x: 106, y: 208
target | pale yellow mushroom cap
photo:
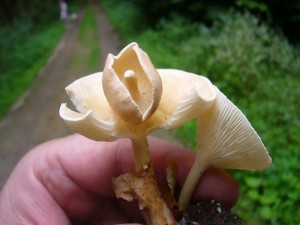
x: 109, y: 107
x: 227, y: 139
x: 94, y: 119
x: 184, y: 96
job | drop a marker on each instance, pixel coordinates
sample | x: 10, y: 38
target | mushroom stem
x: 131, y: 80
x: 143, y: 189
x: 141, y: 153
x: 141, y: 185
x: 199, y: 165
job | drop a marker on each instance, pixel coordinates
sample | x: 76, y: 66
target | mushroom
x: 226, y: 140
x: 130, y: 98
x: 110, y: 108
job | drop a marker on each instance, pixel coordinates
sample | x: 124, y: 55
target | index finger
x: 93, y: 165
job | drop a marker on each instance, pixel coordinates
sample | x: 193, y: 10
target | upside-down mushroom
x: 226, y: 140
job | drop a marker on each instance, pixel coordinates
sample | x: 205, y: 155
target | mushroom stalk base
x: 141, y: 185
x: 143, y: 188
x: 191, y: 181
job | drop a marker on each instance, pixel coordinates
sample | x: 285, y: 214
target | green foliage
x: 188, y: 134
x: 259, y: 71
x: 254, y: 5
x: 126, y: 17
x: 22, y: 54
x: 280, y: 13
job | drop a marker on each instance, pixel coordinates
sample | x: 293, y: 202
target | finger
x: 76, y: 171
x: 69, y: 168
x: 93, y: 165
x: 214, y: 183
x: 24, y: 200
x: 89, y: 167
x: 40, y: 192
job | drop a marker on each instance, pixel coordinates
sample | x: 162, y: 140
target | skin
x: 69, y: 181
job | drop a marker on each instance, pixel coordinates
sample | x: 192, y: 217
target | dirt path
x: 34, y: 118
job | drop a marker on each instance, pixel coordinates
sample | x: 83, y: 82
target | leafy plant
x: 126, y: 17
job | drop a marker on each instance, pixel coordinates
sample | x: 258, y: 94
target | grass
x: 259, y: 71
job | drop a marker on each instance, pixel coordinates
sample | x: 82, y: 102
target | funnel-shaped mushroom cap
x: 184, y: 96
x: 131, y: 84
x: 228, y: 140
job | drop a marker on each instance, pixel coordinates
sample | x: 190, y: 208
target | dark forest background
x: 279, y: 13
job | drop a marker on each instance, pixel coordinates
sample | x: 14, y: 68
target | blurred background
x: 248, y: 48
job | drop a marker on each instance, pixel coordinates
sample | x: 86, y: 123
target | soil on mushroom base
x: 210, y: 213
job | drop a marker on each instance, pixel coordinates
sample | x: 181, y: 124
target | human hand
x: 69, y: 181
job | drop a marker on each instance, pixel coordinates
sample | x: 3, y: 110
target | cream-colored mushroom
x: 226, y: 140
x: 95, y: 118
x: 131, y: 99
